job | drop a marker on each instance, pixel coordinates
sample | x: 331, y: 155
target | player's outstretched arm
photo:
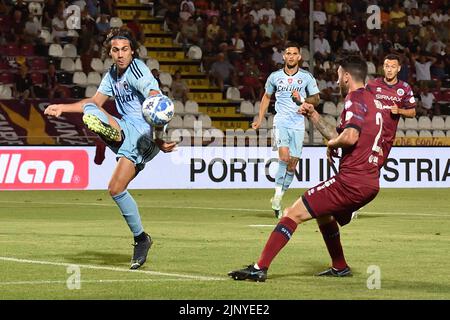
x: 346, y: 139
x: 327, y: 130
x: 57, y: 110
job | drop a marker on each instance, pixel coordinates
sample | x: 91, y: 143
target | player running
x: 130, y: 82
x: 358, y: 134
x: 291, y: 86
x: 397, y: 98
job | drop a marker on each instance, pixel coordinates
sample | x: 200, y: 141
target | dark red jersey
x: 360, y: 163
x: 402, y: 95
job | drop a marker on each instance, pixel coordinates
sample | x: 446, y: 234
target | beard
x: 344, y: 90
x: 291, y: 66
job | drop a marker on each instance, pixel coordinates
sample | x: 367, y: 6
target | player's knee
x: 285, y: 158
x: 296, y: 214
x: 114, y: 189
x: 89, y: 107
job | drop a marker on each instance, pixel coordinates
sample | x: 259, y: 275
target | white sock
x: 279, y: 191
x: 256, y: 267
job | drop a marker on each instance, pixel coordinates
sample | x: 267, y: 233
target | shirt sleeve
x: 270, y: 86
x: 105, y: 86
x: 311, y: 87
x: 354, y: 113
x: 146, y: 82
x: 409, y: 102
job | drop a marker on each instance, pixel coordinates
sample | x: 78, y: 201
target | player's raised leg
x: 124, y: 172
x: 101, y: 123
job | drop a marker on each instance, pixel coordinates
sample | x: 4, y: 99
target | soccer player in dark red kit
x: 358, y: 134
x: 397, y: 99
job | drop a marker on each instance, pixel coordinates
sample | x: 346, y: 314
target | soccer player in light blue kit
x: 130, y: 82
x: 292, y: 86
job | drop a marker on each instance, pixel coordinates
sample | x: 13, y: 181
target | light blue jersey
x: 283, y: 85
x: 129, y: 91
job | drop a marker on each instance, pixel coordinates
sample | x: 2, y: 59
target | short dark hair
x: 292, y: 44
x: 355, y: 65
x: 121, y: 34
x: 393, y: 56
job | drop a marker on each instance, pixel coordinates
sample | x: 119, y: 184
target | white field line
x: 220, y: 208
x: 94, y: 267
x: 39, y: 282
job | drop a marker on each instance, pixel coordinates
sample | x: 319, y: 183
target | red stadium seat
x: 38, y: 64
x: 37, y: 78
x: 27, y: 50
x: 12, y: 50
x: 6, y: 77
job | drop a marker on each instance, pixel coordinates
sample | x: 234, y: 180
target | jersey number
x: 379, y: 122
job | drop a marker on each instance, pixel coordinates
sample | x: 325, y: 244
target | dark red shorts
x: 337, y: 198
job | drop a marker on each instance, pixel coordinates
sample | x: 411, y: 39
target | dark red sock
x: 277, y: 240
x: 332, y: 238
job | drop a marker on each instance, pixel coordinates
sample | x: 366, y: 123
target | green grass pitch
x: 200, y: 235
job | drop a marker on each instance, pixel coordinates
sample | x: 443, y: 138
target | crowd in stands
x: 242, y: 41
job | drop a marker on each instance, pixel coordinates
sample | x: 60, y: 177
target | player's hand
x: 332, y: 153
x: 256, y: 124
x: 394, y: 109
x: 165, y: 146
x: 306, y: 109
x: 54, y: 110
x: 297, y: 98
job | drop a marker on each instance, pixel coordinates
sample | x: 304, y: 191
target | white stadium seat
x: 178, y: 107
x: 5, y: 92
x: 437, y: 123
x: 69, y: 51
x: 165, y: 78
x: 176, y: 122
x: 78, y: 65
x: 79, y: 77
x: 90, y: 91
x: 97, y: 65
x: 233, y: 93
x: 55, y: 50
x: 152, y: 64
x: 329, y: 108
x: 411, y: 124
x: 191, y: 107
x: 247, y: 107
x: 425, y: 134
x: 107, y: 63
x: 424, y: 123
x: 399, y: 134
x: 67, y: 64
x: 194, y: 53
x: 94, y: 78
x: 411, y: 133
x: 188, y: 121
x: 438, y: 134
x: 115, y: 22
x: 401, y: 124
x: 205, y: 121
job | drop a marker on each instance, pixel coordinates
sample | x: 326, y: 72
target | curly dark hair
x: 121, y: 33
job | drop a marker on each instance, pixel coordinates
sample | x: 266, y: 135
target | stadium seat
x: 67, y: 64
x: 90, y: 91
x: 107, y: 63
x: 425, y: 134
x: 263, y: 122
x: 194, y: 53
x: 38, y: 63
x: 5, y: 92
x: 142, y: 52
x: 247, y: 107
x: 437, y: 123
x: 306, y: 138
x: 27, y: 50
x: 399, y: 134
x: 46, y: 35
x: 233, y: 93
x: 401, y: 124
x: 69, y: 51
x: 12, y: 49
x: 306, y: 124
x: 411, y: 133
x: 37, y: 78
x: 35, y: 8
x: 339, y: 107
x: 79, y: 77
x: 305, y: 54
x: 77, y: 92
x: 330, y: 119
x: 55, y: 50
x: 371, y: 69
x: 188, y: 121
x: 438, y: 134
x: 178, y: 107
x: 270, y: 121
x: 7, y: 78
x: 78, y: 65
x: 165, y: 78
x: 205, y: 121
x: 317, y: 137
x: 447, y: 123
x: 176, y: 122
x: 115, y: 22
x: 73, y: 33
x: 152, y: 64
x: 411, y: 124
x: 256, y: 107
x: 94, y: 78
x: 329, y: 108
x: 191, y: 107
x: 97, y: 65
x: 424, y: 123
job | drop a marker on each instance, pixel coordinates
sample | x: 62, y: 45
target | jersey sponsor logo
x: 289, y: 88
x: 378, y: 89
x: 400, y: 92
x: 378, y: 104
x: 385, y: 97
x: 44, y: 169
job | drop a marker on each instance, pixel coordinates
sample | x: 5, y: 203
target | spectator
x: 211, y: 11
x: 319, y: 15
x: 288, y: 14
x: 185, y: 12
x: 51, y: 85
x: 266, y: 27
x: 267, y: 11
x: 23, y: 86
x: 423, y: 66
x: 17, y: 28
x: 190, y: 6
x: 222, y: 72
x: 32, y: 28
x: 426, y: 105
x: 209, y: 54
x: 414, y: 20
x: 280, y: 30
x: 179, y: 88
x: 190, y: 33
x: 59, y: 29
x: 102, y: 25
x: 435, y: 43
x: 410, y: 4
x: 254, y: 12
x: 322, y: 48
x: 411, y: 43
x: 251, y: 79
x: 397, y: 17
x: 374, y: 48
x: 212, y: 30
x: 171, y: 17
x: 237, y: 46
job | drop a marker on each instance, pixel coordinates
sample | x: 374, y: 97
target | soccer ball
x: 158, y: 110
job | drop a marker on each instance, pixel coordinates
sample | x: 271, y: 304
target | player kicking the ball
x: 358, y: 135
x: 130, y: 82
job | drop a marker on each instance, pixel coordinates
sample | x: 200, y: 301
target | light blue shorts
x: 135, y: 146
x: 291, y: 138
